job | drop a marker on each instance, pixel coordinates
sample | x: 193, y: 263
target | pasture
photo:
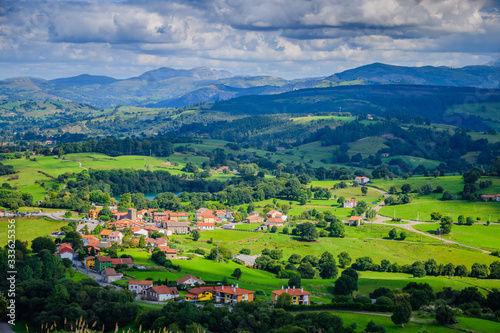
x: 29, y: 229
x: 479, y: 235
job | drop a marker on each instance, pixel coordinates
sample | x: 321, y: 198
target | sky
x: 285, y: 38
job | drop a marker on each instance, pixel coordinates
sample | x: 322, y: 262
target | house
x: 177, y: 227
x: 102, y: 263
x: 139, y: 286
x: 486, y: 197
x: 362, y: 180
x: 385, y: 154
x: 274, y: 214
x: 206, y: 216
x: 355, y: 221
x: 122, y: 261
x: 190, y: 280
x: 178, y: 217
x: 125, y: 223
x: 254, y: 213
x: 299, y: 296
x: 86, y: 239
x: 115, y: 237
x: 65, y: 250
x: 150, y: 242
x: 254, y: 219
x: 89, y: 262
x: 200, y: 294
x: 280, y: 148
x: 93, y: 214
x: 232, y: 295
x: 275, y: 222
x: 161, y: 293
x: 109, y: 275
x: 350, y: 203
x: 203, y: 226
x: 169, y: 253
x: 141, y: 232
x: 160, y: 241
x: 247, y: 260
x: 160, y: 217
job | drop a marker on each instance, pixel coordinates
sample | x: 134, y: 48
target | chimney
x: 293, y: 287
x: 236, y: 285
x: 282, y: 287
x: 301, y: 290
x: 222, y: 287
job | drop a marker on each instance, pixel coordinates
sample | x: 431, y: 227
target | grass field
x: 481, y: 236
x: 367, y: 146
x: 27, y: 230
x: 421, y: 208
x: 478, y: 325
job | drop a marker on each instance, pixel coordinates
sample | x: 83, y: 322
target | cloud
x: 289, y: 38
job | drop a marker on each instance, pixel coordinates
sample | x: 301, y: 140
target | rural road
x: 409, y: 226
x: 5, y: 328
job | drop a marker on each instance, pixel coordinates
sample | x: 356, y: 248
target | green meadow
x: 29, y: 229
x: 479, y: 235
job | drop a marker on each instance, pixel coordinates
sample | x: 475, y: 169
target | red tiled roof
x: 233, y: 290
x: 293, y: 292
x: 161, y: 290
x: 187, y: 277
x: 103, y: 259
x: 110, y: 272
x: 354, y: 218
x: 206, y: 224
x: 141, y: 282
x: 121, y: 261
x: 199, y: 290
x: 271, y: 220
x: 106, y: 232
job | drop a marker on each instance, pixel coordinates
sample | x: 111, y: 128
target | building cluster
x: 200, y: 292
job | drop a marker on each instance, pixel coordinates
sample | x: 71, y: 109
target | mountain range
x: 168, y: 87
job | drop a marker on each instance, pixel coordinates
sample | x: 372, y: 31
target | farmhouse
x: 232, y: 295
x: 247, y: 260
x: 200, y: 294
x: 355, y: 221
x: 89, y: 262
x: 362, y: 180
x: 207, y: 216
x: 109, y: 275
x: 161, y: 293
x: 139, y: 286
x: 93, y: 214
x: 274, y: 214
x: 486, y: 197
x: 350, y: 203
x: 190, y: 280
x: 203, y: 226
x: 299, y: 296
x: 111, y: 236
x: 169, y: 253
x: 254, y: 219
x: 177, y: 227
x: 140, y: 232
x: 65, y: 250
x: 275, y: 222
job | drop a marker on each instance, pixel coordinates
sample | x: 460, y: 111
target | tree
x: 307, y: 231
x: 436, y: 215
x: 448, y: 270
x: 306, y: 270
x: 364, y: 190
x: 43, y: 243
x: 393, y: 233
x: 328, y: 270
x: 479, y: 271
x: 406, y: 188
x: 446, y: 224
x: 495, y: 270
x: 237, y: 273
x: 195, y: 234
x: 274, y: 229
x: 337, y: 229
x: 344, y: 259
x: 346, y: 283
x: 295, y: 281
x: 402, y: 235
x: 283, y: 300
x: 402, y: 313
x: 68, y: 214
x: 461, y: 270
x: 142, y: 242
x: 444, y: 314
x: 295, y: 258
x: 418, y: 269
x: 461, y: 220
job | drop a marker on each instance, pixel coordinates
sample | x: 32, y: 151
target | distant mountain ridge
x: 169, y: 87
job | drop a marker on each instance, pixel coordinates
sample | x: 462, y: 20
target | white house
x: 362, y: 180
x: 161, y: 293
x: 203, y: 226
x: 141, y: 232
x: 139, y: 286
x: 190, y: 280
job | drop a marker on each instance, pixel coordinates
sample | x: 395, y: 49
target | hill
x: 169, y: 87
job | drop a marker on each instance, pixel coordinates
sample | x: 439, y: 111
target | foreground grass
x: 29, y: 229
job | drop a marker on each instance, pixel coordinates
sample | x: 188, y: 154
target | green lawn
x: 27, y: 230
x: 478, y: 325
x: 417, y: 326
x: 479, y: 235
x: 421, y: 208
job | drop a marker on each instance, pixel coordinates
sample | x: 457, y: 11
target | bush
x: 200, y: 251
x: 245, y: 251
